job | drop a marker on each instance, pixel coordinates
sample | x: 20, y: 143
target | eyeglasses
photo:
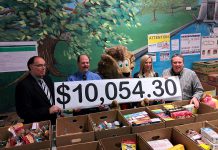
x: 40, y: 65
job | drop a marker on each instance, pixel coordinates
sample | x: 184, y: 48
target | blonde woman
x: 146, y: 68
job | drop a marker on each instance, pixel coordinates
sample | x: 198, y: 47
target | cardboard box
x: 214, y: 85
x: 213, y: 78
x: 171, y: 134
x: 204, y: 112
x: 210, y: 134
x: 212, y: 145
x: 202, y: 77
x: 143, y: 128
x: 171, y: 123
x: 9, y: 118
x: 209, y: 89
x: 114, y: 143
x: 109, y: 116
x: 206, y: 67
x: 73, y: 130
x: 94, y: 145
x: 5, y: 134
x: 213, y: 123
x: 194, y: 126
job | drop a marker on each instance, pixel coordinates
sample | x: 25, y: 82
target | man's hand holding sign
x: 87, y: 94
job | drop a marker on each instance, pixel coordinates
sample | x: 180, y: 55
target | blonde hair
x: 151, y: 73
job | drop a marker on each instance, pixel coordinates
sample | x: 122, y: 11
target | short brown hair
x: 177, y: 55
x: 78, y: 57
x: 31, y: 61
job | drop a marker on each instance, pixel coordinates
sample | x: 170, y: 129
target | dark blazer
x: 31, y: 102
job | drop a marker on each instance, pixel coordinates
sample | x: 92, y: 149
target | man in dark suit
x: 34, y: 95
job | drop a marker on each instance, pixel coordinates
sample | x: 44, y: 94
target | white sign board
x: 14, y: 55
x: 209, y: 47
x: 87, y: 94
x: 175, y: 44
x: 190, y: 44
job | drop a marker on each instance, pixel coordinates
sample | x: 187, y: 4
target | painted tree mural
x: 167, y: 6
x: 173, y: 5
x: 154, y: 6
x: 51, y: 21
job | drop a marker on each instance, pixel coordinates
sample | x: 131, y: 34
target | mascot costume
x: 117, y: 62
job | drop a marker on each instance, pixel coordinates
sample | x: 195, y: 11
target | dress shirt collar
x: 176, y: 74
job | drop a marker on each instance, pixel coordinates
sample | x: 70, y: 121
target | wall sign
x: 159, y: 42
x: 190, y: 44
x: 14, y: 55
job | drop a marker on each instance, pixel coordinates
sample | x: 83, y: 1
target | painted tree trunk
x: 46, y: 50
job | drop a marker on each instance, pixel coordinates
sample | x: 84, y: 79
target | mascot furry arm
x: 116, y: 62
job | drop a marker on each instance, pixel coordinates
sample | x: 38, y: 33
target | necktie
x: 45, y: 89
x: 84, y: 77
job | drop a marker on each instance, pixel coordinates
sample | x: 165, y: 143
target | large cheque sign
x: 86, y: 94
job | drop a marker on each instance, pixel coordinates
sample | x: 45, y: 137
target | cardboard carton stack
x: 207, y: 71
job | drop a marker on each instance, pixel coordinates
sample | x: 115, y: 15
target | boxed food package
x: 27, y: 136
x: 193, y: 131
x: 109, y: 123
x: 162, y: 144
x: 160, y: 111
x: 210, y: 134
x: 170, y: 134
x: 212, y: 145
x: 123, y: 142
x: 73, y: 130
x: 204, y: 112
x: 142, y: 120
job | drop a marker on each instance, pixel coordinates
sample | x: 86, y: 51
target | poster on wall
x: 215, y: 31
x: 14, y: 55
x: 175, y: 44
x: 159, y: 42
x: 209, y: 47
x: 164, y: 56
x: 190, y: 44
x: 153, y: 55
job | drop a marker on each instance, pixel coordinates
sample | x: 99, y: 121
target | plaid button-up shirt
x: 190, y: 84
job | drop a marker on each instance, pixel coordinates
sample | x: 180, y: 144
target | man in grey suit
x: 34, y: 95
